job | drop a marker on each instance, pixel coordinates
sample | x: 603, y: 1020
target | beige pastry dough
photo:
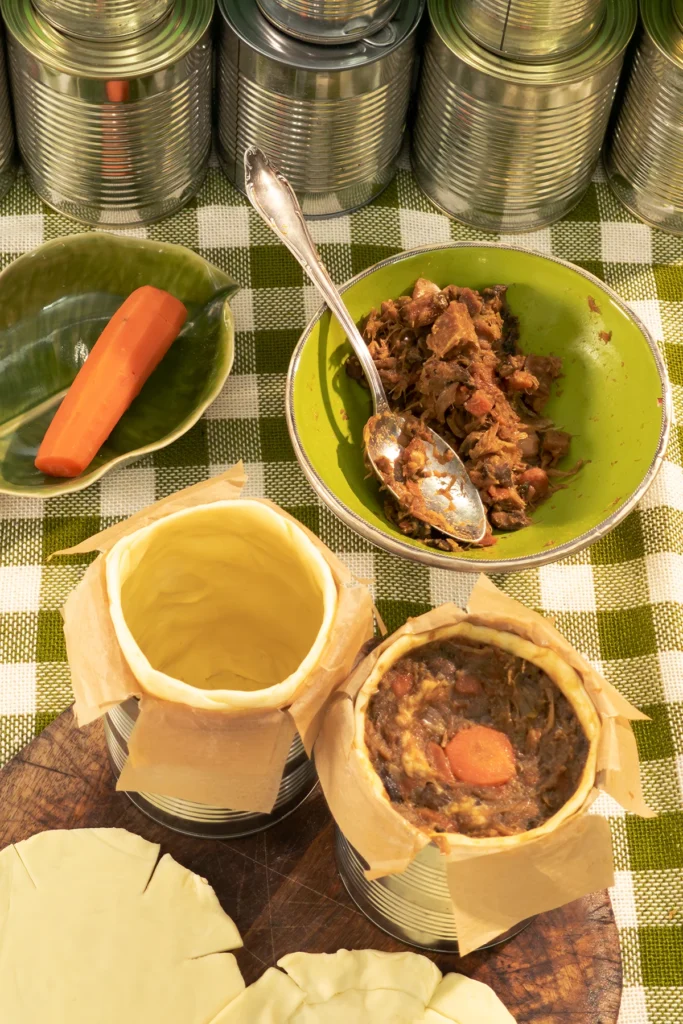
x: 227, y: 605
x: 94, y: 931
x: 364, y: 987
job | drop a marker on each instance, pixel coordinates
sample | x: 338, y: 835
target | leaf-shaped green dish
x: 54, y: 304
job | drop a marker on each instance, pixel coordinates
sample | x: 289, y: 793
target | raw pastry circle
x: 93, y: 929
x: 364, y: 986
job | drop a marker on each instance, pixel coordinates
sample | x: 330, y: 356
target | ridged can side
x: 535, y: 30
x: 101, y: 19
x: 329, y: 22
x: 334, y: 130
x: 113, y: 134
x: 644, y: 154
x: 414, y: 907
x: 510, y: 147
x: 202, y: 820
x: 7, y: 145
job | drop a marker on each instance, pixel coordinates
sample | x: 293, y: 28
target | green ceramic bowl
x: 614, y: 399
x: 55, y: 302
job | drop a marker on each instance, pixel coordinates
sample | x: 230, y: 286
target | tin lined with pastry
x: 231, y: 624
x: 459, y: 761
x: 478, y: 732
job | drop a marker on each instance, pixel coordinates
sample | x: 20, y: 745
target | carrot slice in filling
x: 481, y: 756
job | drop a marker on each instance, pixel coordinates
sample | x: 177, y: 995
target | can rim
x: 663, y: 23
x: 259, y: 34
x: 107, y: 28
x: 606, y: 46
x: 166, y: 42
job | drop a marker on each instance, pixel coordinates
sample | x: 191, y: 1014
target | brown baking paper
x: 491, y: 890
x: 223, y: 758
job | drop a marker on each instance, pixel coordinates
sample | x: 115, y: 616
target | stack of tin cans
x: 644, y: 157
x: 322, y: 86
x: 514, y: 102
x: 112, y: 103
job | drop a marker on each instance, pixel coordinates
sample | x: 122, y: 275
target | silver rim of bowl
x: 437, y: 559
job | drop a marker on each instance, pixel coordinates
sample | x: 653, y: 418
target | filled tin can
x: 511, y: 146
x: 331, y: 118
x: 103, y: 19
x: 112, y: 132
x: 7, y: 160
x: 329, y: 22
x: 413, y: 907
x: 644, y: 155
x: 201, y: 820
x: 531, y: 30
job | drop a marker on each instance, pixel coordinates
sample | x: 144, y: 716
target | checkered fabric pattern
x: 620, y: 602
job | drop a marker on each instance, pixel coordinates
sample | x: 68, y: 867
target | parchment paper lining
x: 491, y: 890
x: 220, y: 758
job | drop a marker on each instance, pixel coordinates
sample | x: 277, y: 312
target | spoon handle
x: 273, y: 197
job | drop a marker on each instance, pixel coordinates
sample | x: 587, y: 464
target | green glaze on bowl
x: 614, y: 399
x: 54, y: 304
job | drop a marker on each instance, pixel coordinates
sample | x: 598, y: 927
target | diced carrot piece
x: 536, y: 478
x: 488, y: 540
x: 520, y: 380
x: 481, y: 756
x: 442, y: 767
x: 466, y: 683
x: 401, y: 683
x: 131, y: 346
x: 479, y: 404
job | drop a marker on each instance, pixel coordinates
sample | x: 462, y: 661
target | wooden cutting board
x: 282, y: 889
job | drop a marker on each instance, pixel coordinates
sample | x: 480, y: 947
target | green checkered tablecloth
x: 620, y: 602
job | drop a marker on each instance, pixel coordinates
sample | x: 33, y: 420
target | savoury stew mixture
x: 469, y: 738
x: 449, y: 357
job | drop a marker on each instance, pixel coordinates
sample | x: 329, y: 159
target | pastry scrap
x: 93, y: 929
x: 478, y: 733
x: 450, y: 358
x: 367, y: 987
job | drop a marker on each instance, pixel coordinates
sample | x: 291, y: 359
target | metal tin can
x: 531, y: 30
x: 508, y: 146
x: 113, y: 133
x: 331, y: 118
x: 329, y: 22
x: 103, y: 19
x: 413, y: 907
x: 7, y: 161
x: 644, y: 155
x: 201, y: 820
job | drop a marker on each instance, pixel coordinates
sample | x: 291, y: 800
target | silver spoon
x: 440, y: 492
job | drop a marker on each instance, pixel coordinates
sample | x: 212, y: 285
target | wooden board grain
x: 282, y: 889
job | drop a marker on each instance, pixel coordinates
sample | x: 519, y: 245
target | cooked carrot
x: 131, y: 346
x: 401, y: 682
x: 536, y: 478
x: 481, y: 756
x: 466, y: 683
